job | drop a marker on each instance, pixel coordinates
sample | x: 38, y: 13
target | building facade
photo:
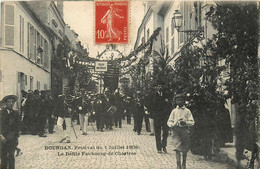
x: 160, y: 14
x: 51, y: 14
x: 25, y: 62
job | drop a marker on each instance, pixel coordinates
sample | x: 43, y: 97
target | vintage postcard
x: 132, y: 84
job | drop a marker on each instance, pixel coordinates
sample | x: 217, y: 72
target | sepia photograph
x: 129, y: 84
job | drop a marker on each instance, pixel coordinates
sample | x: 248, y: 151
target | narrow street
x: 117, y: 148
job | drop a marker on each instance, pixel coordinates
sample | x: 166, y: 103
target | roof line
x: 34, y: 16
x: 58, y: 12
x: 149, y: 11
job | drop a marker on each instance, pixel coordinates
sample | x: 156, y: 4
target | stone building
x: 25, y: 48
x: 51, y: 14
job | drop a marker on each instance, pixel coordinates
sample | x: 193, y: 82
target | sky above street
x: 79, y: 15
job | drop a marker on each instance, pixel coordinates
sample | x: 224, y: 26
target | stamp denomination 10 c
x: 111, y: 22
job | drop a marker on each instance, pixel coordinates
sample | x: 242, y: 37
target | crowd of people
x: 40, y: 111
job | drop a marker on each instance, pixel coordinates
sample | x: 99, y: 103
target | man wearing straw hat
x: 9, y: 131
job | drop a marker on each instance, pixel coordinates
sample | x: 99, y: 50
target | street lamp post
x: 177, y: 19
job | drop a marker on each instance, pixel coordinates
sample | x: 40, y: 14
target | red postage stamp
x: 111, y: 22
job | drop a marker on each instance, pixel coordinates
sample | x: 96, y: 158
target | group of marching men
x: 108, y: 108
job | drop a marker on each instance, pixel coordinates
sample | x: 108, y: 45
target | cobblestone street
x: 118, y: 148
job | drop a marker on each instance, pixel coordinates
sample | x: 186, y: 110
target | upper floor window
x: 181, y: 34
x: 9, y: 25
x: 31, y: 43
x: 38, y: 49
x: 46, y: 54
x: 21, y: 34
x: 167, y: 38
x: 148, y: 34
x: 54, y: 23
x: 172, y: 38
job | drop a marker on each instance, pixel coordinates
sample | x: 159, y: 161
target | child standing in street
x: 179, y: 121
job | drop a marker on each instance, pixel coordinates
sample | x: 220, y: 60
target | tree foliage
x: 237, y: 41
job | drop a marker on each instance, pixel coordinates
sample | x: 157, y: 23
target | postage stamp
x: 111, y: 22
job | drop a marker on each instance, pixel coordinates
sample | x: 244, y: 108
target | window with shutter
x: 25, y: 79
x: 9, y: 25
x: 28, y: 40
x: 172, y: 38
x: 148, y: 34
x: 19, y: 76
x: 42, y: 50
x: 46, y: 54
x: 38, y: 85
x: 38, y: 47
x: 21, y: 34
x: 32, y: 42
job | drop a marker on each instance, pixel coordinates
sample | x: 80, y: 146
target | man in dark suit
x: 29, y: 116
x: 159, y: 108
x: 138, y: 112
x: 50, y: 111
x: 9, y: 131
x: 116, y: 101
x: 108, y: 115
x: 37, y: 112
x: 99, y: 109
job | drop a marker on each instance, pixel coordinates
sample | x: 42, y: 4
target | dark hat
x: 23, y: 92
x: 14, y: 97
x: 179, y: 96
x: 36, y: 91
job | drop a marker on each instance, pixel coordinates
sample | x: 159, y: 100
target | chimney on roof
x: 60, y: 7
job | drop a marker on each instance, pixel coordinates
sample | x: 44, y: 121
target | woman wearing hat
x: 9, y: 131
x: 180, y: 119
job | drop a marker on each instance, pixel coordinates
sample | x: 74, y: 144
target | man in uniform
x: 64, y: 113
x: 9, y: 131
x: 82, y: 106
x: 108, y: 116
